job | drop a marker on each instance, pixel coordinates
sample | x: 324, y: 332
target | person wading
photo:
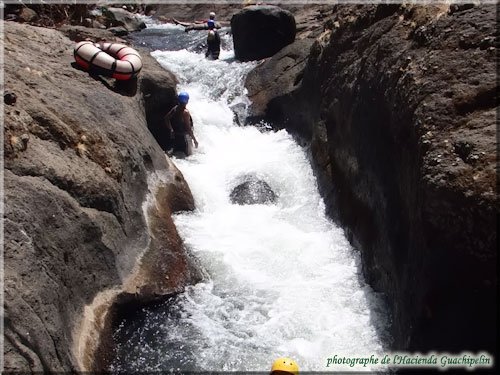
x: 180, y: 124
x: 213, y: 41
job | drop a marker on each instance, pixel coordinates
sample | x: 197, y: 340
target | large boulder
x: 80, y: 163
x: 400, y: 105
x: 121, y: 17
x: 274, y: 85
x: 284, y: 70
x: 27, y: 15
x: 260, y: 31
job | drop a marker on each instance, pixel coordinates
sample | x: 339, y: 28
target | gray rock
x: 118, y: 31
x: 252, y: 191
x: 11, y: 17
x: 79, y: 33
x: 97, y: 25
x: 271, y: 85
x: 122, y: 17
x: 460, y: 7
x: 239, y: 113
x: 27, y: 15
x: 260, y: 31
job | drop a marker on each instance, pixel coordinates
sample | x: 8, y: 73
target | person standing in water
x: 178, y: 120
x: 213, y: 41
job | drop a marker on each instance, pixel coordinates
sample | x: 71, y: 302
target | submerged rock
x: 239, y: 113
x: 253, y: 191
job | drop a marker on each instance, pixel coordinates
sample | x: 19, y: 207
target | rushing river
x: 280, y: 279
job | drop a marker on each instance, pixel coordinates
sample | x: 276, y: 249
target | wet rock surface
x: 284, y: 70
x: 78, y: 154
x: 260, y: 31
x: 274, y: 85
x: 399, y: 103
x: 252, y: 191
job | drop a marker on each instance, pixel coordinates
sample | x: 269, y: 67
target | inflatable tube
x: 112, y: 59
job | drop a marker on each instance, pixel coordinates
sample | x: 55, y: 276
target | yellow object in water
x: 285, y: 365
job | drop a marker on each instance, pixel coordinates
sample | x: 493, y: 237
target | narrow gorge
x: 342, y: 199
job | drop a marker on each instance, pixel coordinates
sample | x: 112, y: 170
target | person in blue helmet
x: 213, y: 41
x: 180, y: 124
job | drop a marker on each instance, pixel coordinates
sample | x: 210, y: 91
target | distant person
x: 180, y: 124
x: 284, y: 366
x: 202, y: 25
x: 211, y: 16
x: 213, y: 41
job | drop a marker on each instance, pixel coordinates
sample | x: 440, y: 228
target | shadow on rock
x: 125, y: 88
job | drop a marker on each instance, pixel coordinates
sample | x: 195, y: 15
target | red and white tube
x: 114, y: 59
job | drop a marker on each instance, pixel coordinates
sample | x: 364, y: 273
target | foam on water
x: 281, y: 279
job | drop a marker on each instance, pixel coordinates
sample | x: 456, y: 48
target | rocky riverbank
x: 79, y: 165
x: 399, y: 104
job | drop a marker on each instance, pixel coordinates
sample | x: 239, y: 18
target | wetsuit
x: 182, y: 139
x: 213, y: 43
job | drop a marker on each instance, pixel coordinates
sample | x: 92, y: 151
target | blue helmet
x: 210, y: 24
x: 183, y: 97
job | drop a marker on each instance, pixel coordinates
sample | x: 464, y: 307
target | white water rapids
x: 281, y: 279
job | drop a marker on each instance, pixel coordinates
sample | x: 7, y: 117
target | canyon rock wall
x: 399, y: 104
x: 78, y: 156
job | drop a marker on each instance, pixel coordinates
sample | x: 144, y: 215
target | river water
x: 280, y: 279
